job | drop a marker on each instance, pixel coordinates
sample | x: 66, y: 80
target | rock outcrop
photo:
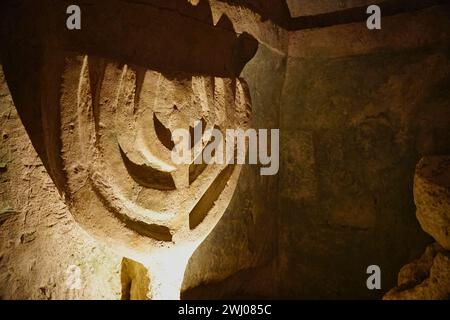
x: 432, y: 197
x: 429, y: 276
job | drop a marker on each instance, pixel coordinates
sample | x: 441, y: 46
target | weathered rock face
x: 356, y: 118
x: 356, y: 109
x: 429, y: 276
x: 432, y: 197
x: 44, y: 253
x: 90, y: 108
x: 106, y: 129
x: 116, y: 144
x: 308, y: 8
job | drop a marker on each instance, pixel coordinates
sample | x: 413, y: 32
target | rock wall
x: 299, y: 8
x: 241, y: 253
x: 428, y: 277
x: 44, y: 253
x: 357, y: 109
x: 245, y: 238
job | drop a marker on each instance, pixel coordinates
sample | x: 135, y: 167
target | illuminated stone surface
x: 360, y: 108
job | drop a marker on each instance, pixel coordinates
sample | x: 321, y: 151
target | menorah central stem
x: 160, y: 278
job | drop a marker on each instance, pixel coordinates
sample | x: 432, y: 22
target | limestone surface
x: 427, y: 278
x: 432, y: 197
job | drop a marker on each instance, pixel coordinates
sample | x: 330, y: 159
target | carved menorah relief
x: 116, y: 143
x: 101, y: 105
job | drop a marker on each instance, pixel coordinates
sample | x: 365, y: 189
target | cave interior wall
x: 357, y: 109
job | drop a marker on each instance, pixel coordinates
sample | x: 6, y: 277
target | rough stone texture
x: 246, y: 237
x: 354, y: 120
x: 427, y: 278
x: 135, y: 281
x: 238, y: 243
x: 107, y: 143
x: 356, y: 108
x: 42, y: 248
x: 365, y: 107
x: 248, y: 231
x: 299, y: 8
x: 432, y: 197
x: 275, y: 10
x: 356, y: 40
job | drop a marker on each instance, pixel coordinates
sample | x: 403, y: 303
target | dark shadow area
x: 278, y: 12
x: 359, y: 14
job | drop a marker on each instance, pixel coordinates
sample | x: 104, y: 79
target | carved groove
x: 192, y: 130
x: 164, y: 135
x: 206, y: 202
x: 148, y: 176
x: 195, y: 170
